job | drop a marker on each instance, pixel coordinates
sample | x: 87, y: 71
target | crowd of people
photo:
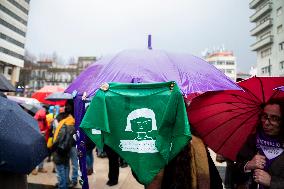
x: 259, y: 163
x: 57, y: 127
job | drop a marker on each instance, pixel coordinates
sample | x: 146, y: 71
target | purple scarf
x: 271, y: 148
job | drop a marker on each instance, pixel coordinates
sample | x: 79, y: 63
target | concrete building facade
x: 269, y: 33
x: 225, y: 61
x: 13, y: 28
x: 34, y: 76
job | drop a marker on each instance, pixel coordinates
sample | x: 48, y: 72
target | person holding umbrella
x: 261, y: 159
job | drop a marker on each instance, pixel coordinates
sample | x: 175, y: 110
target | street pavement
x: 98, y: 179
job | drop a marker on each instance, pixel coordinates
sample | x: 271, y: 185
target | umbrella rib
x: 241, y: 124
x: 246, y: 98
x: 255, y: 97
x: 173, y: 62
x: 262, y: 89
x: 230, y: 120
x: 232, y: 103
x: 231, y: 110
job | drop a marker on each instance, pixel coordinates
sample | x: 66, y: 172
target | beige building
x: 13, y: 28
x: 34, y: 76
x: 84, y: 62
x: 269, y: 33
x: 225, y: 61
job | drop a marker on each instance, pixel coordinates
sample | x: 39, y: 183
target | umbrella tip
x: 149, y: 42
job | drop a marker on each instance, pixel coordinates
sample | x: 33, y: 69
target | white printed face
x: 270, y: 119
x: 141, y: 124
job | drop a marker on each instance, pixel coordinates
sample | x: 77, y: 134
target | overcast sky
x: 73, y: 28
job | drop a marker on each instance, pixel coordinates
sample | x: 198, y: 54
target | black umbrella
x: 31, y: 108
x: 5, y: 85
x: 59, y: 96
x: 3, y: 95
x: 22, y: 145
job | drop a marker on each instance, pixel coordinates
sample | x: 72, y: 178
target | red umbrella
x: 224, y: 119
x: 41, y: 94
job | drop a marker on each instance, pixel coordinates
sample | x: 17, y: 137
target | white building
x: 224, y: 61
x: 13, y: 28
x: 269, y: 32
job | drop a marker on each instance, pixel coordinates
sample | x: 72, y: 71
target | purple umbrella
x: 191, y: 73
x: 280, y: 88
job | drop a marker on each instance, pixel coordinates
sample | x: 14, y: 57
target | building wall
x: 270, y: 53
x: 225, y: 62
x: 45, y: 73
x: 13, y: 28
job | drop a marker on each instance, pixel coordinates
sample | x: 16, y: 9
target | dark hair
x: 46, y: 107
x: 69, y: 107
x: 279, y: 102
x: 177, y: 174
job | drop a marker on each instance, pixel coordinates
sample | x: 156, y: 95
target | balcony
x: 261, y: 27
x: 254, y: 3
x: 261, y: 11
x: 261, y: 43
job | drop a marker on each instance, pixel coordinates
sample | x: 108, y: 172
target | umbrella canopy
x: 280, y: 88
x: 3, y: 95
x: 59, y: 96
x: 191, y: 73
x: 5, y: 85
x: 31, y: 109
x: 224, y: 119
x: 31, y: 105
x: 41, y: 94
x: 22, y: 145
x: 26, y: 100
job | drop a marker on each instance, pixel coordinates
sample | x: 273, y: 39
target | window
x: 10, y: 71
x: 10, y: 26
x: 279, y: 29
x: 265, y: 52
x: 230, y: 63
x: 230, y: 71
x: 263, y: 20
x: 281, y: 65
x: 16, y: 4
x: 10, y: 13
x: 281, y: 46
x: 15, y: 42
x: 265, y: 70
x: 265, y: 35
x: 11, y: 53
x: 279, y: 11
x: 220, y: 62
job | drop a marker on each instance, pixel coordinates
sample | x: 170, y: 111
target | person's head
x: 272, y: 117
x: 69, y: 107
x: 45, y: 108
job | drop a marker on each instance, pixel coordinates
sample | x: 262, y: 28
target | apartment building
x: 224, y: 61
x: 269, y: 34
x: 13, y: 28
